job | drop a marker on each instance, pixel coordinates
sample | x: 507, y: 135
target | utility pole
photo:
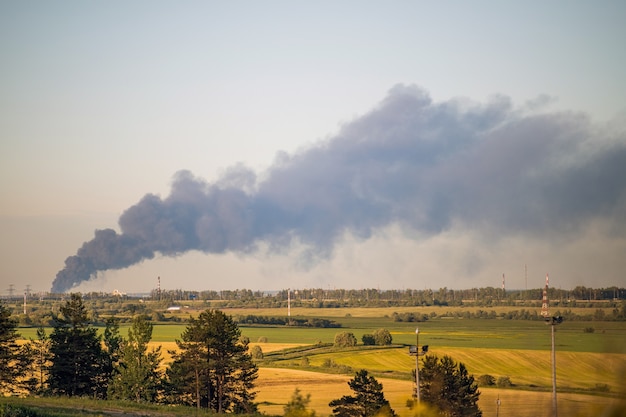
x: 26, y: 295
x: 552, y: 321
x: 415, y: 351
x: 417, y: 368
x: 498, y: 406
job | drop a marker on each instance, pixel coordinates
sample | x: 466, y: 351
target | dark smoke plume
x: 426, y: 166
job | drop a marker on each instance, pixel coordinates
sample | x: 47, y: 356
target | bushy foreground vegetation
x: 211, y: 368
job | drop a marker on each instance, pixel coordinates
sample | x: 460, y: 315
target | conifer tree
x: 137, y: 377
x: 78, y: 361
x: 14, y: 361
x: 449, y: 387
x: 297, y: 406
x: 212, y: 368
x: 369, y: 399
x: 41, y: 356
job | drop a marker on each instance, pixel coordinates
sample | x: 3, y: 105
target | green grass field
x: 608, y: 337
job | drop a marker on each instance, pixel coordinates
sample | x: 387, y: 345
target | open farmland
x: 275, y: 387
x: 588, y: 363
x: 517, y: 349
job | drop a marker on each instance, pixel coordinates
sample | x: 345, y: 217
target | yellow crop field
x: 275, y: 387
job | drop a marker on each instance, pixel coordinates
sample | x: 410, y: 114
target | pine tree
x: 78, y: 360
x: 112, y: 341
x: 212, y: 368
x: 40, y: 349
x: 369, y: 399
x: 449, y: 388
x: 137, y: 376
x: 14, y: 361
x: 297, y: 406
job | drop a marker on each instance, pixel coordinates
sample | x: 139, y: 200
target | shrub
x: 256, y: 352
x: 345, y: 339
x: 262, y: 339
x: 368, y: 339
x: 486, y: 380
x: 589, y: 330
x: 602, y: 388
x: 382, y: 337
x: 504, y: 381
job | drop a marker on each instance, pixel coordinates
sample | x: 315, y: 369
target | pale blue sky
x: 103, y: 102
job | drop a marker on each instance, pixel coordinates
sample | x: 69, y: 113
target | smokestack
x: 425, y: 166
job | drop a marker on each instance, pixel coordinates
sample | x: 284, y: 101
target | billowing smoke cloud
x: 423, y: 165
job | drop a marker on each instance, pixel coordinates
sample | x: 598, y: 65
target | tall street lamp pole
x: 417, y: 368
x: 415, y: 351
x: 498, y: 406
x: 553, y: 321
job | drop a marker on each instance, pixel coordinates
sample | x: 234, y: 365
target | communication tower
x: 544, y: 302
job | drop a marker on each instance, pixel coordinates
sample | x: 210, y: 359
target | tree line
x: 616, y: 314
x: 337, y: 297
x: 581, y: 296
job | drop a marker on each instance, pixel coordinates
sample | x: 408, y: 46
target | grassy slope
x: 526, y: 369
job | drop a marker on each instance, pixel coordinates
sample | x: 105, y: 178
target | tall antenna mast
x: 544, y: 303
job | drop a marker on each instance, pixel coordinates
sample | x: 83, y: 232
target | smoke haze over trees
x: 423, y: 165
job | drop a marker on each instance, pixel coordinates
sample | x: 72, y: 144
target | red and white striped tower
x: 544, y: 303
